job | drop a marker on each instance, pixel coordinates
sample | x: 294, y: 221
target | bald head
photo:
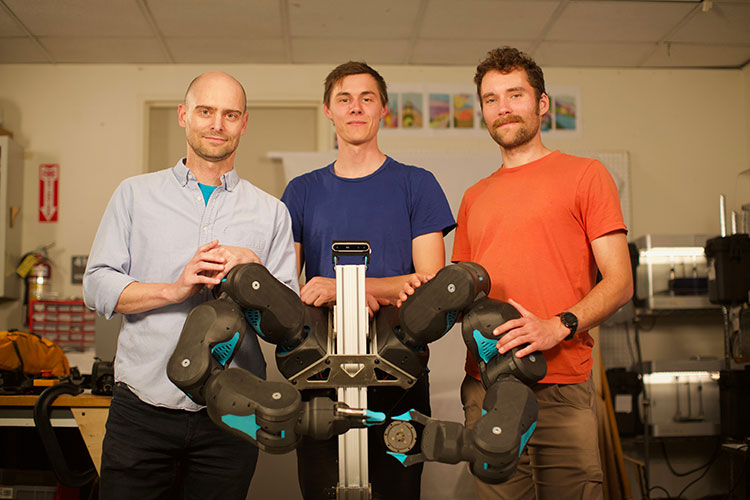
x: 217, y: 79
x: 214, y: 117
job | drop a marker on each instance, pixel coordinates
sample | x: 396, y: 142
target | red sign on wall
x: 49, y: 176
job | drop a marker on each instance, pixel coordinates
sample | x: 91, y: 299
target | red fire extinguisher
x: 36, y: 268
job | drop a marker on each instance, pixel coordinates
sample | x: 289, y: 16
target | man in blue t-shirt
x: 402, y: 211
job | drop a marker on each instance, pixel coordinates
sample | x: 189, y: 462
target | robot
x: 273, y: 415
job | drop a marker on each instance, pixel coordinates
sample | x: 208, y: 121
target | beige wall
x: 746, y: 78
x: 687, y: 133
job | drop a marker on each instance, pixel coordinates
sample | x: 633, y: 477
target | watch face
x: 570, y: 321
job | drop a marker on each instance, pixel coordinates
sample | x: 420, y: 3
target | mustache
x: 507, y: 119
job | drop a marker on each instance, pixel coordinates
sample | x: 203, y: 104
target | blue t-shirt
x: 207, y: 191
x: 388, y: 208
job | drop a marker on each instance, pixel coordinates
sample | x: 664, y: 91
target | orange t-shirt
x: 531, y: 227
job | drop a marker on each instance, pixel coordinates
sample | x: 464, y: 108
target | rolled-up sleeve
x: 108, y: 265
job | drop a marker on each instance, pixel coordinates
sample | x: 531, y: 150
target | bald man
x: 165, y: 240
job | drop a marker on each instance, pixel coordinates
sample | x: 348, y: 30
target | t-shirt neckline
x: 332, y: 171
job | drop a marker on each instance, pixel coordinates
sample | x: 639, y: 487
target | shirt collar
x: 184, y: 175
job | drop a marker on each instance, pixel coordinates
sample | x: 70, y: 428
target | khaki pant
x: 561, y: 460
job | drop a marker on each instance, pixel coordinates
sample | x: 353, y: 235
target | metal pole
x: 352, y: 323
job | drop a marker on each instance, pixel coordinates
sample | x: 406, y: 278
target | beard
x: 211, y: 154
x: 523, y: 135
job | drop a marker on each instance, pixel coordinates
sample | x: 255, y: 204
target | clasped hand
x: 209, y: 265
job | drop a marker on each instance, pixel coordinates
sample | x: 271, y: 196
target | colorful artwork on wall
x: 440, y: 111
x: 412, y: 110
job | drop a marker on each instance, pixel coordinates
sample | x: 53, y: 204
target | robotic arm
x: 271, y: 415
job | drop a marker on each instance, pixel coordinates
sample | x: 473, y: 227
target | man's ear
x: 244, y: 122
x: 543, y: 104
x: 181, y: 112
x: 327, y: 112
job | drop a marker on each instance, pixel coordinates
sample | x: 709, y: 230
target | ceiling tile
x: 104, y: 50
x: 221, y: 51
x: 699, y: 56
x: 331, y: 51
x: 600, y: 21
x: 459, y: 52
x: 246, y: 19
x: 9, y: 26
x: 20, y: 50
x: 574, y: 54
x: 483, y: 19
x: 724, y: 23
x: 80, y: 18
x: 385, y: 19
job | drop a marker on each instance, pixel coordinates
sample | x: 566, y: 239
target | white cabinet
x: 11, y: 201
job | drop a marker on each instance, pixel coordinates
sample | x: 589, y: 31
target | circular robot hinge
x: 400, y: 436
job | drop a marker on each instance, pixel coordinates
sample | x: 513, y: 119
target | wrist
x: 568, y: 324
x: 170, y: 293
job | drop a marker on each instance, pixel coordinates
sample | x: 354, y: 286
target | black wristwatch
x: 569, y: 321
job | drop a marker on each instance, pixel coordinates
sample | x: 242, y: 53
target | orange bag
x: 29, y: 353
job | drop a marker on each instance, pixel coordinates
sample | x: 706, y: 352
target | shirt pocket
x: 243, y: 235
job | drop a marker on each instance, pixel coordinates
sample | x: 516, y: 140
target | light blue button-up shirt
x: 150, y: 230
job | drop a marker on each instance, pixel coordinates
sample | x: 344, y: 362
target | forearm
x: 141, y: 297
x: 616, y: 286
x: 387, y: 288
x: 602, y: 301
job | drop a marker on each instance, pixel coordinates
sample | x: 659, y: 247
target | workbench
x: 86, y: 411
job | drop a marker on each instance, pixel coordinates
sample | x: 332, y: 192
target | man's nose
x: 356, y: 107
x: 503, y: 106
x: 218, y: 122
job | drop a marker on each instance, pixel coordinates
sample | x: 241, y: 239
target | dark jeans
x: 317, y: 461
x: 157, y: 453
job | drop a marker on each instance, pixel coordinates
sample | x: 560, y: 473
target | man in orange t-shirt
x: 542, y: 225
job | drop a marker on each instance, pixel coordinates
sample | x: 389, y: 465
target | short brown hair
x: 507, y: 59
x: 353, y: 68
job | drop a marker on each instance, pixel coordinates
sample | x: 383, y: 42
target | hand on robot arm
x: 411, y: 285
x: 233, y: 256
x: 319, y: 292
x: 538, y: 334
x: 200, y: 271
